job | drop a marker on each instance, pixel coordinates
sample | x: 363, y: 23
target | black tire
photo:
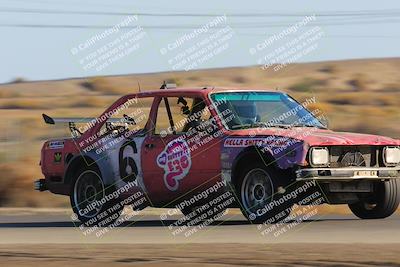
x: 383, y: 203
x: 264, y: 192
x: 87, y: 187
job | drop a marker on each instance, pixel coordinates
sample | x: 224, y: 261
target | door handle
x: 150, y: 146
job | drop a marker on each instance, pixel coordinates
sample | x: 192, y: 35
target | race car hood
x: 321, y: 137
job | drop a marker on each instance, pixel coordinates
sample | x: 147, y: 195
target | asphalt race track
x: 30, y: 239
x: 58, y: 228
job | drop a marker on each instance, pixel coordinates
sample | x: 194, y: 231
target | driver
x: 245, y: 112
x: 195, y: 114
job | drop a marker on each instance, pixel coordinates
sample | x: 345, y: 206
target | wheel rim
x: 256, y: 190
x: 88, y: 190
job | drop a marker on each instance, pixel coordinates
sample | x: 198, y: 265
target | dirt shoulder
x: 201, y: 255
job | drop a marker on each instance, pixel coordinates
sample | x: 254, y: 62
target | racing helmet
x: 245, y: 111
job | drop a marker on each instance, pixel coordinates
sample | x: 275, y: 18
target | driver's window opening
x: 177, y: 115
x: 131, y: 116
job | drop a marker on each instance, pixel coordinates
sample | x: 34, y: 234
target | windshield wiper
x: 309, y: 125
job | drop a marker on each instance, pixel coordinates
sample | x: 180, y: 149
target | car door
x: 179, y: 160
x: 120, y: 142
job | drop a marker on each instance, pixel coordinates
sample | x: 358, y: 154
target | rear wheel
x: 381, y: 204
x: 258, y: 190
x: 88, y: 199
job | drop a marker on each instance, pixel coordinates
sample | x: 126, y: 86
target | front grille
x: 353, y: 159
x: 350, y: 156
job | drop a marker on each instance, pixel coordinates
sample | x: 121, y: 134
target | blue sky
x: 45, y: 53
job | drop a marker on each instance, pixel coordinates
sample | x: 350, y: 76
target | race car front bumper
x: 348, y: 174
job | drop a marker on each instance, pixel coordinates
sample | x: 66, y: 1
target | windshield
x: 240, y: 110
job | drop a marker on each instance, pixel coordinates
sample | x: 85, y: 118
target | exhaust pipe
x: 40, y: 185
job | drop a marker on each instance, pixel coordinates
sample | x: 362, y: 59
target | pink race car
x: 206, y: 149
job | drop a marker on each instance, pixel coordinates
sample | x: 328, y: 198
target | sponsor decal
x: 57, y: 157
x: 176, y: 161
x: 245, y: 142
x: 56, y: 144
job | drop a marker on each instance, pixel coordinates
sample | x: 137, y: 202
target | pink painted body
x: 206, y: 163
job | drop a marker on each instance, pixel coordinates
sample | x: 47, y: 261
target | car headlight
x: 391, y: 155
x: 319, y: 156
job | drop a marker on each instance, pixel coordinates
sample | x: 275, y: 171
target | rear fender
x: 89, y: 160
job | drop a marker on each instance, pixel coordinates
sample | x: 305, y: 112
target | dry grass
x: 357, y: 95
x: 359, y: 82
x: 240, y: 79
x: 307, y: 85
x: 90, y: 102
x: 16, y: 186
x: 391, y: 88
x: 331, y: 69
x: 101, y: 85
x: 8, y: 94
x: 363, y: 99
x: 325, y: 108
x: 22, y: 104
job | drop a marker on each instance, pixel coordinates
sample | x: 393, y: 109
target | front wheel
x: 88, y: 199
x: 259, y: 199
x: 381, y: 204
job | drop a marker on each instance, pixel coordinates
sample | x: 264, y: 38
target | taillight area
x: 42, y: 155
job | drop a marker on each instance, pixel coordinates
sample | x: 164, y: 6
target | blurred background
x: 355, y: 95
x: 352, y: 70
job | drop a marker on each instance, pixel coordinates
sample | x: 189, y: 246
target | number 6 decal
x: 128, y: 169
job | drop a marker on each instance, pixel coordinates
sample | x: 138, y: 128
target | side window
x: 185, y: 113
x: 130, y: 116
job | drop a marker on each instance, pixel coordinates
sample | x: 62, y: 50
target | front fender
x: 284, y: 152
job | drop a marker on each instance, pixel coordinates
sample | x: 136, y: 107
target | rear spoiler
x: 71, y: 123
x: 49, y: 120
